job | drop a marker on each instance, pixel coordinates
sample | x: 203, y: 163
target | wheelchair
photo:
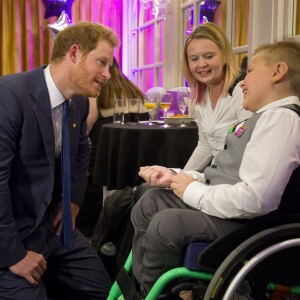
x: 258, y: 259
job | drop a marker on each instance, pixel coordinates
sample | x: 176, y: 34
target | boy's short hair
x: 288, y: 52
x: 84, y: 34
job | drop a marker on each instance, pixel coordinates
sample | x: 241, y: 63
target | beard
x: 82, y: 83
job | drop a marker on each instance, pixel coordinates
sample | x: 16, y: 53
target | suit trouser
x: 163, y: 226
x: 71, y: 274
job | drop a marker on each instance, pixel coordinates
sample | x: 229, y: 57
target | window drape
x: 25, y: 40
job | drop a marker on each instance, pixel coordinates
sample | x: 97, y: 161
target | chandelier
x: 159, y: 8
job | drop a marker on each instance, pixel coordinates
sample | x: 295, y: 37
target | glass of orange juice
x: 150, y: 103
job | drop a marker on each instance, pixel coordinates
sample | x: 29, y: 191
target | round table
x: 123, y: 149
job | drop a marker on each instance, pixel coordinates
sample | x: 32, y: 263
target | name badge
x: 238, y: 133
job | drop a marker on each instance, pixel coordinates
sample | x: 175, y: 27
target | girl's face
x: 206, y: 61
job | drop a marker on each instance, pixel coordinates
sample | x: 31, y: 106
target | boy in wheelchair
x: 256, y: 174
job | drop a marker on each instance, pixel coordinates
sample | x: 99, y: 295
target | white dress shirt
x: 56, y: 102
x: 270, y: 158
x: 213, y: 125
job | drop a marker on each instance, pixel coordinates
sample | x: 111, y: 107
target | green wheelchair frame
x: 163, y: 280
x: 235, y: 267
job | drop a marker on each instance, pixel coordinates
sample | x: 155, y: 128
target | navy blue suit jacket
x: 27, y: 158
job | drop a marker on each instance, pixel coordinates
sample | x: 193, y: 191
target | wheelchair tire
x: 237, y: 259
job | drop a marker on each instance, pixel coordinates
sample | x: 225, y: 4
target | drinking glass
x: 165, y: 104
x: 134, y: 111
x: 182, y: 100
x: 150, y: 103
x: 118, y: 111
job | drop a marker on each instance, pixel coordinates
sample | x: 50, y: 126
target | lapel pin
x: 240, y: 131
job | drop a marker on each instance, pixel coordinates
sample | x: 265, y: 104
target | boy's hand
x: 179, y: 183
x: 157, y: 176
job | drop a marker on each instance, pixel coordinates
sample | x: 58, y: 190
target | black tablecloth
x: 123, y: 149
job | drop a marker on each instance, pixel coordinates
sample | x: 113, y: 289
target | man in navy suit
x: 33, y: 258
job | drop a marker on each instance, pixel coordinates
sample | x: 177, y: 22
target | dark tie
x: 67, y: 229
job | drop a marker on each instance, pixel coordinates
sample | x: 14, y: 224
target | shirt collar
x: 56, y: 97
x: 285, y: 101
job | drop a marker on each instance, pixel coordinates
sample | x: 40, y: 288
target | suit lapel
x: 39, y: 91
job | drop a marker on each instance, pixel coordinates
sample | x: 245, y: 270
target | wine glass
x: 182, y: 100
x: 165, y: 104
x: 150, y: 103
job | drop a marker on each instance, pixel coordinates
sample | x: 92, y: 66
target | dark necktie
x: 67, y: 229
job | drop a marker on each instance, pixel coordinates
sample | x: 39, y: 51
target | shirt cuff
x: 177, y: 170
x: 196, y: 175
x: 193, y: 194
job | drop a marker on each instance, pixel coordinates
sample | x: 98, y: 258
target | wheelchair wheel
x: 241, y: 261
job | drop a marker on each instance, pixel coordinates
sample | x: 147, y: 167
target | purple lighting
x: 190, y: 20
x: 207, y: 10
x: 54, y: 8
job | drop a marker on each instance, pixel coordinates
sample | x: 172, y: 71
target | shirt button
x: 214, y: 166
x: 207, y: 181
x: 225, y: 147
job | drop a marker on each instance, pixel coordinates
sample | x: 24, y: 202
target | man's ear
x: 280, y: 70
x: 74, y: 53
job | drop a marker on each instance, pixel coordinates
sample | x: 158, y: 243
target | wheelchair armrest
x: 212, y: 256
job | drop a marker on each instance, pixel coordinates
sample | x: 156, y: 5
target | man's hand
x: 157, y: 175
x: 31, y: 267
x: 58, y: 218
x: 179, y: 183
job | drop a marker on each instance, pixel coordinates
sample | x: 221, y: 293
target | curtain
x: 297, y: 17
x: 241, y: 12
x: 25, y: 40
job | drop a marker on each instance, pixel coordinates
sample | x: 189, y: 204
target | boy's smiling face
x: 257, y: 85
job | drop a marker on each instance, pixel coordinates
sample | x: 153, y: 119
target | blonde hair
x: 215, y: 34
x: 119, y: 86
x: 84, y: 34
x: 287, y: 52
